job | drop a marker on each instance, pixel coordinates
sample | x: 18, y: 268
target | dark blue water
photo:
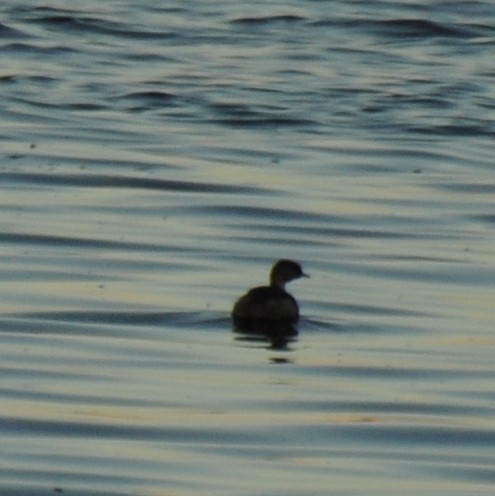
x: 157, y: 158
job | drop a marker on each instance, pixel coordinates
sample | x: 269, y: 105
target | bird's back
x: 266, y: 303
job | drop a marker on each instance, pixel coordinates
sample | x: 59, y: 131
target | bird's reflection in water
x: 278, y: 333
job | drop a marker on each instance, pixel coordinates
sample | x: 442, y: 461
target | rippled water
x: 156, y: 158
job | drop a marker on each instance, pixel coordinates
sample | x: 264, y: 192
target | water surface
x: 157, y: 159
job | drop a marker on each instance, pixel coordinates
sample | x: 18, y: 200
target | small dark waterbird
x: 271, y: 303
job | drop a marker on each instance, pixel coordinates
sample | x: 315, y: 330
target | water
x: 155, y: 161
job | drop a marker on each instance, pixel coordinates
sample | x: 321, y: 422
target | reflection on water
x: 155, y: 158
x: 277, y: 333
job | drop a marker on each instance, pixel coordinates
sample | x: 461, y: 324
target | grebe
x: 271, y: 303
